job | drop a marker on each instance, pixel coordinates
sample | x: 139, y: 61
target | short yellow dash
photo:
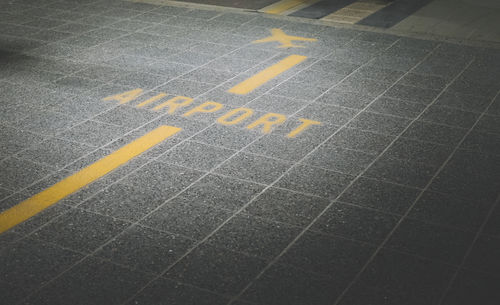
x: 39, y: 202
x: 266, y: 75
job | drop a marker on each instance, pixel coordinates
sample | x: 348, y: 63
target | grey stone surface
x: 145, y: 249
x: 216, y: 269
x: 222, y: 192
x: 286, y: 206
x: 80, y: 230
x: 398, y: 177
x: 255, y: 168
x: 321, y: 182
x: 196, y: 155
x: 164, y: 291
x: 253, y: 236
x: 19, y: 173
x: 92, y: 280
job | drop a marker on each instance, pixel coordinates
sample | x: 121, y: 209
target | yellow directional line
x: 39, y: 202
x: 266, y: 75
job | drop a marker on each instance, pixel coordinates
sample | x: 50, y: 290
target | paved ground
x: 459, y: 20
x: 334, y: 167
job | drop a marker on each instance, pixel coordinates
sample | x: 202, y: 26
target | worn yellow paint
x: 235, y: 116
x: 356, y: 11
x: 124, y: 97
x: 267, y: 121
x: 266, y: 75
x: 174, y: 103
x: 46, y: 198
x: 152, y: 100
x: 282, y: 6
x: 286, y: 41
x: 305, y: 124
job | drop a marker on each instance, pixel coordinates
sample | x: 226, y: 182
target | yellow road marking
x: 267, y: 74
x: 282, y: 6
x: 286, y: 40
x: 39, y: 202
x: 356, y: 11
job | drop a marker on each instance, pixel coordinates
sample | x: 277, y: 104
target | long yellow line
x: 34, y: 205
x: 267, y: 74
x: 282, y: 6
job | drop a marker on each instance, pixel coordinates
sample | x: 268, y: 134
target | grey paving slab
x: 321, y: 182
x: 226, y: 137
x: 19, y: 173
x: 381, y: 74
x: 403, y: 171
x: 288, y: 285
x: 478, y: 176
x: 80, y: 230
x: 382, y: 283
x: 385, y: 105
x: 127, y: 117
x: 178, y: 215
x: 452, y: 117
x: 482, y: 142
x: 161, y: 177
x: 45, y: 123
x: 463, y: 102
x: 94, y: 133
x: 339, y: 159
x: 286, y: 206
x: 451, y: 210
x: 222, y: 192
x: 373, y: 226
x: 436, y: 133
x: 39, y: 262
x: 253, y: 236
x: 14, y: 140
x: 164, y: 291
x: 92, y: 280
x: 412, y: 94
x: 380, y: 195
x: 124, y: 202
x: 254, y: 168
x: 216, y: 269
x: 196, y: 155
x: 328, y: 255
x: 145, y: 249
x: 379, y: 123
x: 55, y: 152
x: 471, y: 285
x: 431, y: 241
x: 429, y: 153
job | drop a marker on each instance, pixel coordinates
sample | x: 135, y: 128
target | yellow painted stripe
x: 282, y: 6
x: 34, y: 205
x: 267, y: 74
x: 356, y: 11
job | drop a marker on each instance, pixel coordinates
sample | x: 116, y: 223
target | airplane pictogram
x: 285, y: 40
